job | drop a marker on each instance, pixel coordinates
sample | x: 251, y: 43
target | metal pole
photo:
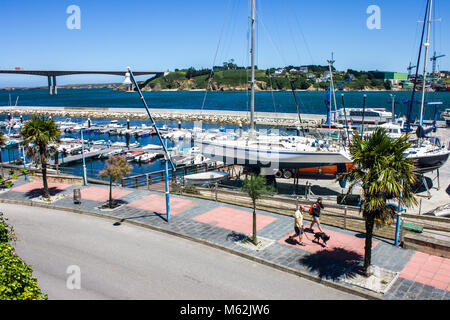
x: 345, y: 118
x: 252, y: 100
x: 166, y: 171
x: 84, y: 162
x: 426, y: 45
x: 393, y: 108
x: 409, y: 111
x: 363, y: 114
x: 399, y: 215
x: 330, y: 63
x: 151, y: 118
x: 24, y: 162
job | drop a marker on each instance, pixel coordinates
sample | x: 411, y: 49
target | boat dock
x: 99, y: 153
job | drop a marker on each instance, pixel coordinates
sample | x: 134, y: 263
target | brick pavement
x: 421, y: 276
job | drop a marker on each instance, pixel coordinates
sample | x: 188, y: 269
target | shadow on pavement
x: 236, y: 237
x: 332, y: 264
x: 40, y: 192
x: 146, y: 215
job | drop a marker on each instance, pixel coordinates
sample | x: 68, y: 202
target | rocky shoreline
x: 190, y: 115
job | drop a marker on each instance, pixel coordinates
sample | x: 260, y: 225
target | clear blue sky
x: 164, y: 35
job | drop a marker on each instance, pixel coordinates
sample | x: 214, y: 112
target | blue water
x: 309, y: 102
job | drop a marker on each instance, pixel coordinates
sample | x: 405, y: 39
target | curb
x: 355, y: 291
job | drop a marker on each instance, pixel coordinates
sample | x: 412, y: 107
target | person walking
x: 315, y: 212
x: 298, y: 226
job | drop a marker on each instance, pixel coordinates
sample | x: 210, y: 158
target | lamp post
x: 399, y: 216
x: 166, y: 172
x: 393, y: 107
x: 24, y: 162
x: 84, y: 162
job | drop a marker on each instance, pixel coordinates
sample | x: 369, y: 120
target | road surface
x: 131, y: 262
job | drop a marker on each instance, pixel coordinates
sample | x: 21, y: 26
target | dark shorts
x: 298, y: 231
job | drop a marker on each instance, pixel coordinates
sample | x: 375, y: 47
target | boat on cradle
x: 255, y: 149
x: 428, y: 155
x: 278, y: 151
x: 368, y: 116
x: 446, y: 116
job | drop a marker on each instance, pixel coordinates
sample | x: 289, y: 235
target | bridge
x: 51, y: 75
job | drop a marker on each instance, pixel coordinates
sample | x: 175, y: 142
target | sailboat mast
x: 252, y: 52
x: 427, y: 44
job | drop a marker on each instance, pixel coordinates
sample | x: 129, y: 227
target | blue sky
x: 164, y: 35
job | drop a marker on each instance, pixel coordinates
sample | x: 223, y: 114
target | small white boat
x: 146, y: 157
x: 209, y: 177
x: 152, y: 147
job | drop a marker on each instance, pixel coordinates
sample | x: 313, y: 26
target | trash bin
x: 76, y: 196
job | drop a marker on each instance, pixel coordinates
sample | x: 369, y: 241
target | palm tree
x: 116, y: 168
x: 40, y: 137
x: 256, y: 187
x: 384, y: 172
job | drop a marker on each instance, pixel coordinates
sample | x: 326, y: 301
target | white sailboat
x: 269, y: 151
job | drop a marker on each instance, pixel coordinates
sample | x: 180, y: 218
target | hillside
x: 271, y: 79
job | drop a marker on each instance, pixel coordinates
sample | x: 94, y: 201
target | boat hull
x: 271, y: 159
x: 430, y: 163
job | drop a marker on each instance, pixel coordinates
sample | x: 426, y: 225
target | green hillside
x: 234, y: 78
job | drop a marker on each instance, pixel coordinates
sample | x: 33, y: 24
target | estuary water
x: 309, y: 102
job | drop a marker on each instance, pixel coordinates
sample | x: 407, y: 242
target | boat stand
x: 424, y: 181
x: 438, y: 181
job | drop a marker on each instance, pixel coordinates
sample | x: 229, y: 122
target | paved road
x: 130, y: 262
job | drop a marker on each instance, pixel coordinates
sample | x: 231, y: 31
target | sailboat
x: 428, y: 154
x: 272, y: 152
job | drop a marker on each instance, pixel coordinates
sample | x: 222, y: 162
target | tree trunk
x: 368, y: 243
x: 110, y: 193
x: 44, y: 180
x: 255, y: 240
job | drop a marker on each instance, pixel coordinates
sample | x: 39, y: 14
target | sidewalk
x: 413, y: 275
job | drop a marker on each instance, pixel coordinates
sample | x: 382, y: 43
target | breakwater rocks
x: 189, y: 115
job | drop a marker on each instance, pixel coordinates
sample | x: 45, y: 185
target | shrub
x: 16, y: 280
x: 191, y: 190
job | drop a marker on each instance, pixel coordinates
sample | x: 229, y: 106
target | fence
x: 155, y: 180
x: 345, y: 217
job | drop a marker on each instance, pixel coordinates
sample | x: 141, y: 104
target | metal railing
x: 158, y: 177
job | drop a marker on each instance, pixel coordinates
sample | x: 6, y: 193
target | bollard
x: 345, y: 218
x: 76, y: 196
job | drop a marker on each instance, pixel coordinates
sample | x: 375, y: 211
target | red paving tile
x: 341, y: 245
x: 429, y: 270
x: 37, y: 187
x: 100, y: 194
x: 234, y: 219
x: 157, y: 203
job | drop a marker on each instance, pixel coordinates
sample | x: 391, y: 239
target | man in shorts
x: 298, y: 226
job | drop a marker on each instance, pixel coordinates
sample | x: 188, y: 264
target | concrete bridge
x: 52, y: 74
